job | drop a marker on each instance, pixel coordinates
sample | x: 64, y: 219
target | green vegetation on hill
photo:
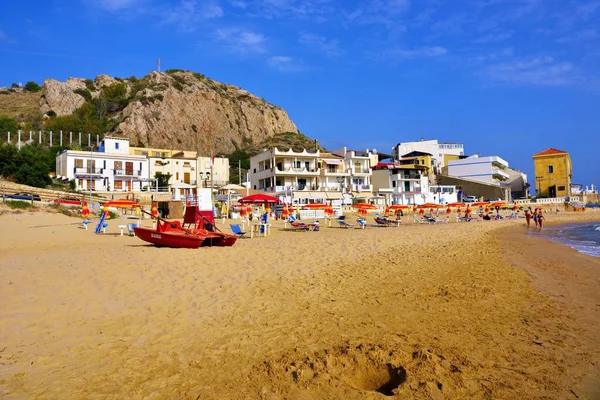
x: 29, y: 166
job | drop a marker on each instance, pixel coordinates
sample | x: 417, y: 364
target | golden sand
x: 446, y: 311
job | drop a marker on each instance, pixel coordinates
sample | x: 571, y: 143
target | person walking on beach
x: 540, y: 219
x: 528, y: 216
x: 536, y: 212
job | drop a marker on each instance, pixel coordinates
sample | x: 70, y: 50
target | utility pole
x: 240, y: 171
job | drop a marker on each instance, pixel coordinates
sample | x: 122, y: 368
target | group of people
x: 537, y: 215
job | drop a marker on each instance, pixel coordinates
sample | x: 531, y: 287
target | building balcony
x: 297, y: 171
x: 361, y: 172
x: 335, y: 173
x: 127, y: 172
x: 87, y: 172
x: 358, y: 187
x: 406, y: 177
x: 498, y: 173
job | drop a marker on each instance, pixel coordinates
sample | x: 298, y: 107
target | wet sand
x: 456, y: 310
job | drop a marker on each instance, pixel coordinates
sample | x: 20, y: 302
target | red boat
x: 202, y: 223
x: 170, y: 234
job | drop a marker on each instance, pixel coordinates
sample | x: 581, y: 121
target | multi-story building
x: 187, y: 169
x: 110, y: 168
x: 441, y: 153
x: 489, y: 169
x: 358, y: 166
x: 553, y: 173
x: 409, y: 184
x: 517, y: 180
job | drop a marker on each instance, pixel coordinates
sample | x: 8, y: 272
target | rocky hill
x: 172, y: 109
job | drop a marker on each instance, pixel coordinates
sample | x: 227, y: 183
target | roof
x: 550, y: 151
x: 416, y: 154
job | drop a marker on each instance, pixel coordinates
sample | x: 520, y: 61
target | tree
x: 162, y: 181
x: 8, y: 124
x: 32, y: 87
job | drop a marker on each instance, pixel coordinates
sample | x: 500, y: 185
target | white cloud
x: 421, y: 52
x: 320, y: 44
x: 241, y: 41
x: 117, y: 5
x: 239, y: 4
x: 538, y: 71
x: 378, y: 12
x: 581, y: 36
x: 188, y: 13
x: 285, y: 63
x: 493, y: 38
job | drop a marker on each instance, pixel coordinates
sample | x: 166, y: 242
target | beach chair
x: 385, y: 222
x: 361, y: 223
x: 342, y: 222
x: 299, y: 226
x: 237, y: 230
x: 420, y: 220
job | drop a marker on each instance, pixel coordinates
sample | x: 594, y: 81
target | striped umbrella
x: 106, y: 213
x: 243, y: 211
x: 154, y: 210
x: 285, y: 213
x: 85, y: 210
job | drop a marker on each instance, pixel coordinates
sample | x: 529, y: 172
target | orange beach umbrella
x: 364, y: 206
x: 85, y: 210
x: 154, y: 210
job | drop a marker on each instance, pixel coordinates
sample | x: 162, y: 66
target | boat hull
x: 173, y: 239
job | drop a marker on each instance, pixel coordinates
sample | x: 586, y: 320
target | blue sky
x: 505, y: 77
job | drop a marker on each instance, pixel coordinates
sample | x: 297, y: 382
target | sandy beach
x: 445, y: 311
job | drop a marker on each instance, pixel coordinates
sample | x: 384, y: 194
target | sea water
x: 583, y: 237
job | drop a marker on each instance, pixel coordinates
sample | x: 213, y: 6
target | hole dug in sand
x: 380, y: 378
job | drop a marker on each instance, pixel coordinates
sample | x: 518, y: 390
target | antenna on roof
x: 158, y: 65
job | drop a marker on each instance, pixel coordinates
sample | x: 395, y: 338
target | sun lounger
x: 361, y: 223
x: 344, y: 224
x: 299, y: 226
x: 386, y: 222
x: 420, y: 220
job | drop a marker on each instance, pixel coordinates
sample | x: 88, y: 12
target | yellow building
x: 417, y: 159
x: 553, y: 173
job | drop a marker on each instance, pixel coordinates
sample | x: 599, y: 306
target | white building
x: 489, y: 169
x: 110, y: 168
x: 358, y: 165
x: 441, y: 152
x: 409, y: 185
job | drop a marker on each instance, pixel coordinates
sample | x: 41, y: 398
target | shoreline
x: 296, y: 315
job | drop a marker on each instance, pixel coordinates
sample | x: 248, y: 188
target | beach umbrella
x: 395, y: 207
x: 248, y: 209
x: 85, y: 210
x: 457, y: 204
x: 365, y: 206
x: 487, y: 209
x: 224, y: 211
x: 448, y: 210
x: 479, y: 203
x: 458, y: 210
x: 242, y: 211
x: 387, y: 209
x: 285, y: 213
x: 431, y: 205
x: 414, y: 208
x: 106, y: 213
x: 154, y: 210
x: 314, y: 206
x: 259, y: 199
x: 422, y: 211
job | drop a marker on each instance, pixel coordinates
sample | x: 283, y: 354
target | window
x: 118, y: 185
x: 561, y: 188
x: 157, y: 154
x: 176, y: 175
x: 117, y: 146
x: 78, y: 163
x: 550, y: 169
x: 393, y: 183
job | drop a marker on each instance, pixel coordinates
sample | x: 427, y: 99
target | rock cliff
x: 176, y: 109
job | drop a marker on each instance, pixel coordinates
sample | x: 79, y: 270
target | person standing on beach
x: 528, y: 216
x: 535, y: 216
